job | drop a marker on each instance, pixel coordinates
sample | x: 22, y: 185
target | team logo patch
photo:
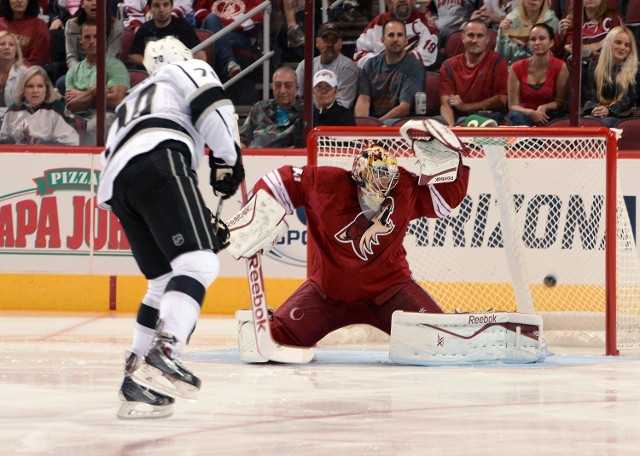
x: 363, y: 233
x: 178, y: 239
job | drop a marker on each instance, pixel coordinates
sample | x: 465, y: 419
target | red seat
x: 630, y: 139
x: 368, y: 122
x: 203, y: 34
x: 432, y: 89
x: 127, y: 41
x: 454, y: 44
x: 582, y: 122
x: 137, y: 76
x: 632, y: 15
x: 404, y: 120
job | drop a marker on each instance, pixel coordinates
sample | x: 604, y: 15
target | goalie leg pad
x: 446, y: 339
x: 247, y: 338
x: 256, y: 227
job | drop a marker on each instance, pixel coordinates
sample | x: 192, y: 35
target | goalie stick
x: 265, y: 344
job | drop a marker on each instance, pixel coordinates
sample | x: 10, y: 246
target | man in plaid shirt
x: 276, y: 122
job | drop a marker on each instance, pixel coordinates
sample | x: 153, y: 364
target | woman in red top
x: 20, y: 17
x: 537, y: 85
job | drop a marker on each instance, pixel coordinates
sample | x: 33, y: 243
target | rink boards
x: 59, y: 252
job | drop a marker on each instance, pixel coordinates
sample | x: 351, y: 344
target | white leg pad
x: 445, y: 339
x: 247, y: 338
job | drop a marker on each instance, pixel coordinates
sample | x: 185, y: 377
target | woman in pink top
x: 538, y: 85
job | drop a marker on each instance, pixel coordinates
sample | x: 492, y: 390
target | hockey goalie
x: 359, y: 273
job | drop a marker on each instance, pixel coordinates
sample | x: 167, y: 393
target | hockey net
x: 530, y: 235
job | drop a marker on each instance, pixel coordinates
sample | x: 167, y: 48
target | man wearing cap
x: 329, y: 44
x: 422, y: 37
x: 389, y: 81
x: 326, y: 111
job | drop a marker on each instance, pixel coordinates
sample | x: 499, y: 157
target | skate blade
x: 154, y: 379
x: 139, y: 411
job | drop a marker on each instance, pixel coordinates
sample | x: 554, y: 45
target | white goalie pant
x: 247, y: 338
x: 440, y: 339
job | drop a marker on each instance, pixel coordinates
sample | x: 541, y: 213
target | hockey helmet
x: 375, y: 169
x: 163, y: 52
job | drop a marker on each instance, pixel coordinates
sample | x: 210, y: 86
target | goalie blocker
x: 437, y: 339
x: 258, y: 225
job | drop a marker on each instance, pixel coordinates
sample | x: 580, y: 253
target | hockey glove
x: 225, y: 179
x: 222, y: 233
x: 437, y: 148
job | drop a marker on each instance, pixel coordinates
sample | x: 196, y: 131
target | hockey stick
x: 265, y: 344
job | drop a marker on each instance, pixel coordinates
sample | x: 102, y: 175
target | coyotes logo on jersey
x: 363, y: 233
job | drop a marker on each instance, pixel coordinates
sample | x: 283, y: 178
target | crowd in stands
x: 507, y: 61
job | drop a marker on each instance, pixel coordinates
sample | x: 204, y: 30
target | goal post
x: 531, y: 234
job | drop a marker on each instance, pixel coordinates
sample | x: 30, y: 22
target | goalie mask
x: 375, y: 170
x: 163, y: 52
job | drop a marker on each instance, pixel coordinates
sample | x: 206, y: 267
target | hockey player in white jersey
x: 149, y: 181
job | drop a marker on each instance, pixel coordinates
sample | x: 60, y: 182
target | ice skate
x: 161, y: 370
x: 138, y: 402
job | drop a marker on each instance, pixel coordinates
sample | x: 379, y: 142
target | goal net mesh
x: 529, y: 236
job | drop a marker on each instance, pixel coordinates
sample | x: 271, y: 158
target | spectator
x: 329, y: 44
x: 87, y: 12
x: 613, y: 80
x: 492, y: 12
x: 390, y: 80
x: 276, y: 122
x: 135, y: 10
x: 514, y: 29
x: 421, y: 37
x: 538, y: 85
x: 37, y: 116
x: 326, y: 111
x: 598, y: 21
x: 59, y: 13
x: 215, y: 15
x: 80, y: 96
x: 295, y: 35
x: 20, y: 17
x: 163, y: 24
x: 449, y: 16
x: 474, y: 82
x: 74, y: 52
x: 11, y: 68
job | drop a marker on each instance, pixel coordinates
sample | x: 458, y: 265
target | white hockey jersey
x: 183, y: 102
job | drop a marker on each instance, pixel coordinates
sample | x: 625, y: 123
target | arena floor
x: 60, y: 374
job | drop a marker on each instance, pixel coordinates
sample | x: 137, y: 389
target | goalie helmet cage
x: 530, y: 235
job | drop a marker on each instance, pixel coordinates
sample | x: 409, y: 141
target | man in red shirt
x: 474, y: 82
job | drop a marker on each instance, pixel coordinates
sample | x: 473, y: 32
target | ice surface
x: 60, y: 375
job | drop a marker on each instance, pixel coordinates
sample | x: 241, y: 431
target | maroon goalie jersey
x: 355, y: 257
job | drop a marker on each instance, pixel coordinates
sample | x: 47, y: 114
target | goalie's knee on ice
x: 202, y: 265
x: 435, y: 339
x: 247, y: 345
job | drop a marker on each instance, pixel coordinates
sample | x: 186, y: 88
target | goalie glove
x: 437, y: 148
x: 225, y: 179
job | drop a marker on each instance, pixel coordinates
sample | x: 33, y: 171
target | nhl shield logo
x: 177, y: 239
